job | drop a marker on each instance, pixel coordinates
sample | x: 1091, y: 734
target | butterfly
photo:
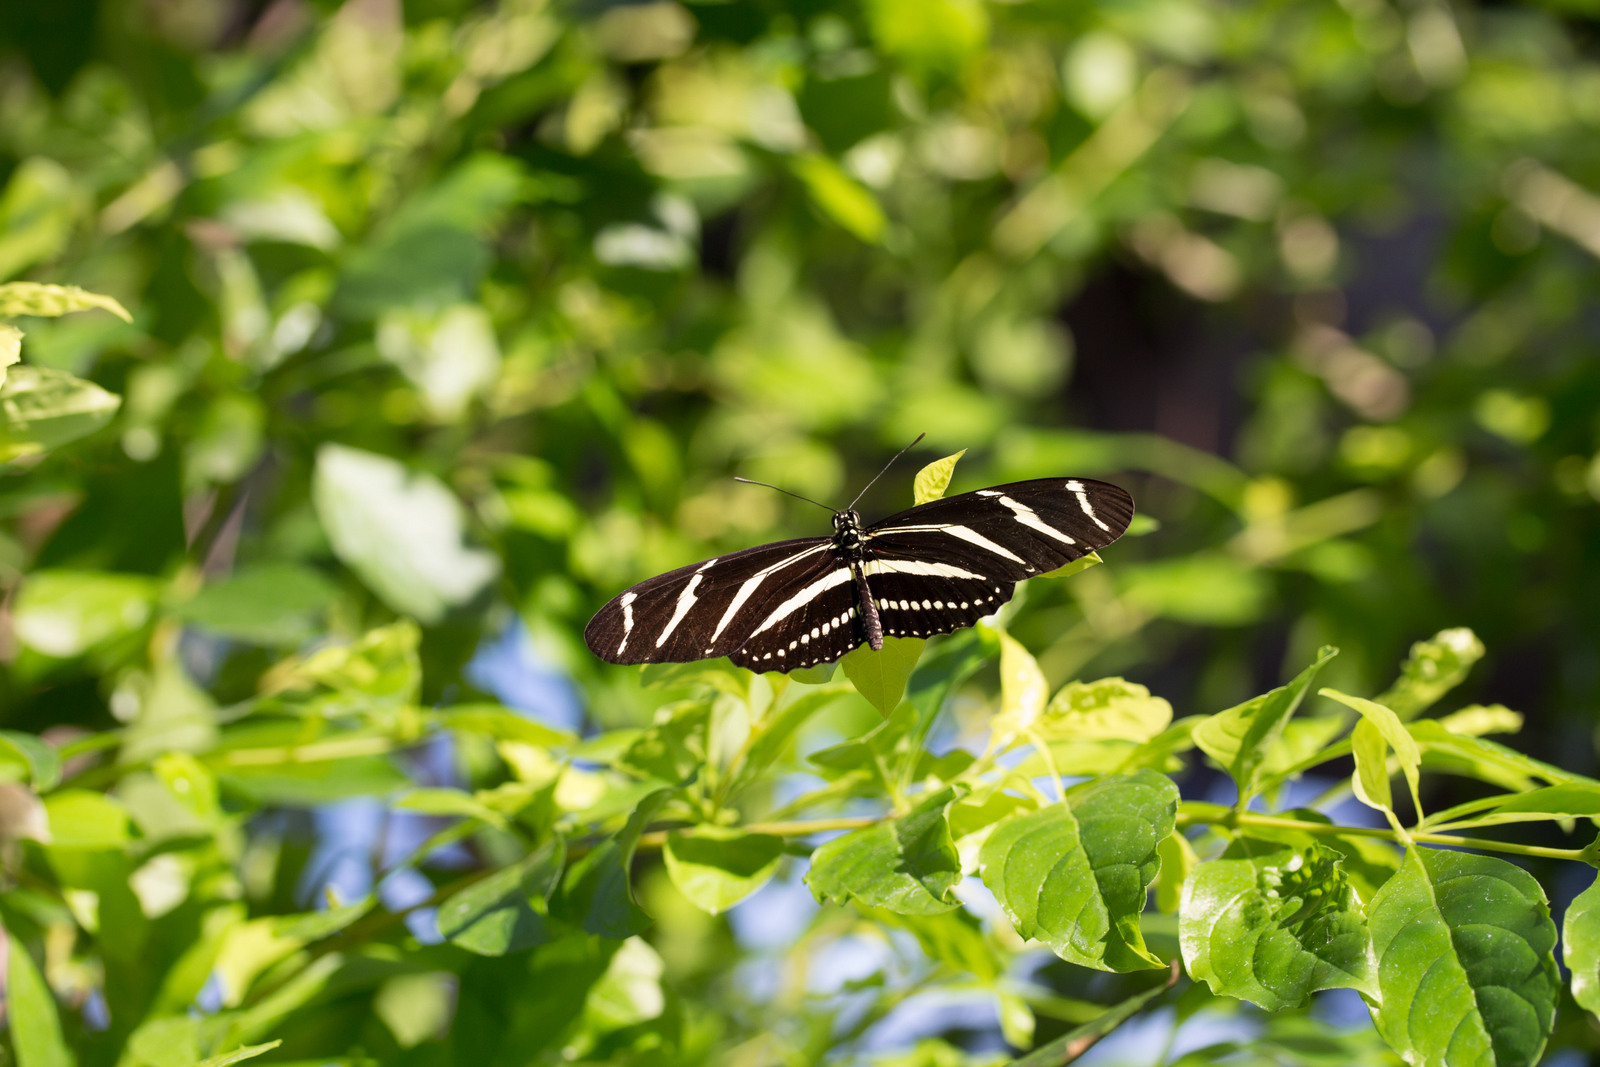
x: 931, y: 569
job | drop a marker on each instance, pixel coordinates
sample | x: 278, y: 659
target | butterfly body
x: 929, y: 570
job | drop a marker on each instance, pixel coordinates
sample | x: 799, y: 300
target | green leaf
x: 1074, y: 875
x: 277, y: 603
x: 1208, y: 589
x: 402, y: 532
x: 1433, y: 668
x: 777, y: 729
x: 1580, y: 947
x: 1242, y: 737
x: 79, y: 818
x: 164, y: 1041
x: 505, y: 912
x: 1110, y: 709
x: 66, y: 613
x: 928, y: 35
x: 25, y: 758
x: 379, y: 671
x: 1378, y: 731
x: 597, y: 893
x: 716, y: 867
x: 244, y: 1052
x: 1082, y: 563
x: 719, y: 674
x: 1466, y: 966
x: 950, y: 663
x: 10, y: 348
x: 955, y: 938
x: 306, y: 784
x: 1068, y: 1046
x: 880, y: 677
x: 35, y: 1022
x: 1273, y: 925
x: 840, y: 197
x: 1023, y: 691
x: 39, y: 213
x: 441, y: 801
x: 1565, y: 801
x: 43, y: 408
x: 931, y: 481
x: 35, y: 298
x: 907, y: 865
x: 1476, y: 720
x: 502, y: 724
x: 1177, y: 858
x: 1475, y: 757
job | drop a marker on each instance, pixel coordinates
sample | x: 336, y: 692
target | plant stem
x: 1193, y: 816
x: 792, y: 828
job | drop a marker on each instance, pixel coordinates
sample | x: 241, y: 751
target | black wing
x: 776, y: 607
x: 947, y: 564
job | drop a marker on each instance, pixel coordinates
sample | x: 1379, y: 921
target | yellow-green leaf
x: 881, y: 676
x: 1023, y: 690
x: 10, y: 348
x: 841, y: 197
x: 42, y: 408
x: 934, y: 479
x: 35, y: 1023
x: 35, y: 298
x: 1379, y: 729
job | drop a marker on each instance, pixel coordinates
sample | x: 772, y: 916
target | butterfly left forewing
x: 703, y: 610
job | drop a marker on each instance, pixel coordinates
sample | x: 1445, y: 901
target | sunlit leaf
x: 1470, y: 938
x: 43, y: 408
x: 1274, y: 925
x: 1580, y: 947
x: 1378, y: 731
x: 401, y: 531
x: 840, y: 197
x: 80, y: 818
x: 1242, y: 738
x: 1433, y: 668
x: 1110, y: 708
x: 716, y: 867
x: 31, y: 1007
x: 244, y: 1052
x: 931, y: 481
x: 10, y: 348
x: 1023, y: 690
x: 270, y: 604
x: 505, y: 912
x: 597, y: 888
x: 1074, y: 875
x: 36, y: 298
x: 881, y: 677
x: 907, y: 865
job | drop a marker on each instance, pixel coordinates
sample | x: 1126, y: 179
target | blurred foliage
x: 446, y: 320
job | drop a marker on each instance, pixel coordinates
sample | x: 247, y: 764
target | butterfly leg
x: 870, y: 623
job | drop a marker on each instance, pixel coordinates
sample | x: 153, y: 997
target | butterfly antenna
x: 797, y: 496
x: 885, y: 470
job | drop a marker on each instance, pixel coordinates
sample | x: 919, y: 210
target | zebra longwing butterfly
x: 929, y: 570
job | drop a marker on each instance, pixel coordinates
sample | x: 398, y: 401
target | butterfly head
x: 847, y: 528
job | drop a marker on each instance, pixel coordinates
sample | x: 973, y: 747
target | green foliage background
x: 447, y: 321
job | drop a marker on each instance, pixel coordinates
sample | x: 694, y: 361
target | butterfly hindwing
x: 920, y: 598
